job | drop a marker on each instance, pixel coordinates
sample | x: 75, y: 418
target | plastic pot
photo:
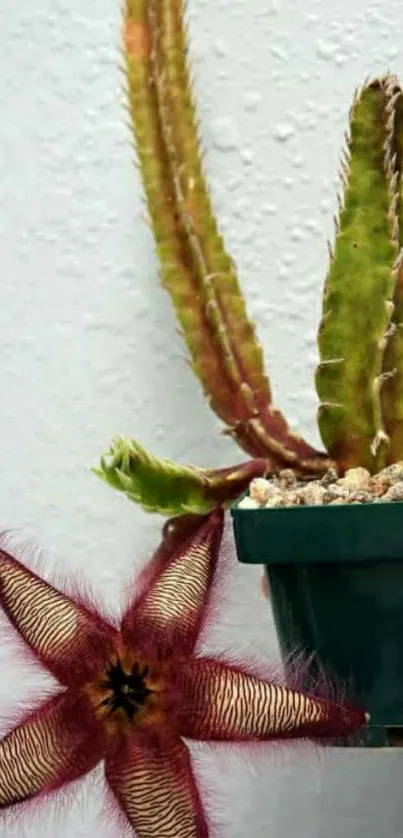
x: 336, y: 589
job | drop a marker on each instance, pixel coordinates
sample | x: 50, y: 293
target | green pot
x: 336, y: 589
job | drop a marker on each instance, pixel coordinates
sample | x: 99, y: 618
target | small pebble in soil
x: 356, y: 486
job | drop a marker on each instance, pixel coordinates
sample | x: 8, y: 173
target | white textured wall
x: 88, y: 346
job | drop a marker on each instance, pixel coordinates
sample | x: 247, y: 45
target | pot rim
x: 371, y: 532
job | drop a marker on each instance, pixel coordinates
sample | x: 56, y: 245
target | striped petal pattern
x: 155, y: 787
x: 57, y: 743
x: 171, y: 609
x: 220, y: 702
x: 65, y: 637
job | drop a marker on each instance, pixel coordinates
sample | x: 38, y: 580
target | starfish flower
x: 130, y: 696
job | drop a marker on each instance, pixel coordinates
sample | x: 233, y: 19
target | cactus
x: 358, y: 307
x: 163, y: 486
x: 359, y: 379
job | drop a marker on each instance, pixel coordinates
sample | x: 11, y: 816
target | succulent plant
x: 359, y: 379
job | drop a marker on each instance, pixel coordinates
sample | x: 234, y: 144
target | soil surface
x: 356, y: 486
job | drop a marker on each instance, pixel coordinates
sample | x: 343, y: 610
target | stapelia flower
x: 130, y: 695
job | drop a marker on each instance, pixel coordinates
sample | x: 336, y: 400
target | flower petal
x: 170, y: 611
x: 223, y: 702
x: 57, y: 743
x: 63, y: 634
x: 156, y: 788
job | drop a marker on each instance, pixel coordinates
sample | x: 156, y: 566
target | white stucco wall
x: 88, y: 346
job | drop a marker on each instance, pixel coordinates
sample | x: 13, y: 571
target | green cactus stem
x: 392, y: 390
x: 169, y: 488
x: 195, y: 268
x: 359, y: 291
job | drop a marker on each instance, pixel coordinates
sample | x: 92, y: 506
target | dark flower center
x: 128, y: 691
